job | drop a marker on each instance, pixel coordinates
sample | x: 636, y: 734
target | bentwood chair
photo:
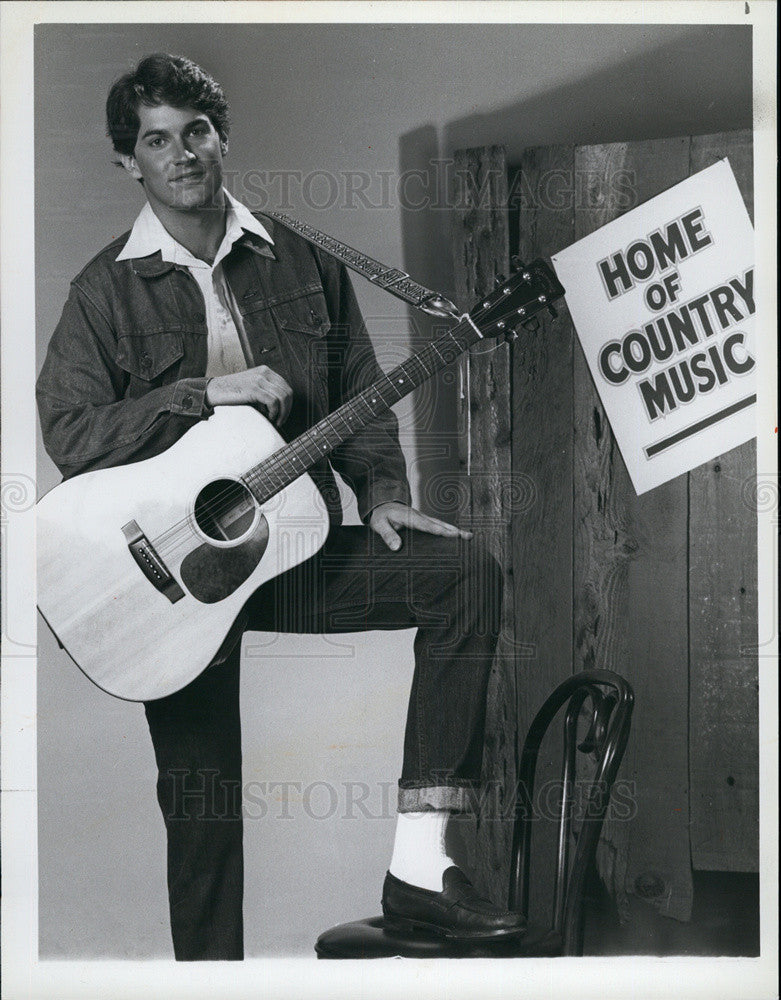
x: 607, y: 701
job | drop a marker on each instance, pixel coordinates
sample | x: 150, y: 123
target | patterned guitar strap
x: 393, y: 280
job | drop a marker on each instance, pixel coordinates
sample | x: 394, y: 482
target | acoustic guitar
x: 144, y: 568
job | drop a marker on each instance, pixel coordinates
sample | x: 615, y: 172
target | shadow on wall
x: 699, y: 84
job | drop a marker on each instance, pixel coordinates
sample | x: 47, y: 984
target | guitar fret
x: 419, y: 360
x: 422, y: 373
x: 269, y: 474
x: 303, y: 440
x: 392, y: 384
x: 364, y: 401
x: 435, y: 348
x: 455, y: 341
x: 330, y: 421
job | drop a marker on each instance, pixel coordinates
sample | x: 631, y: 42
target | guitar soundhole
x: 225, y: 510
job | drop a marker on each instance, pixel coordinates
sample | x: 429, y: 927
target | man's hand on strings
x: 259, y: 387
x: 386, y: 517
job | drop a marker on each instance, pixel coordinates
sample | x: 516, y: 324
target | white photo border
x: 24, y: 976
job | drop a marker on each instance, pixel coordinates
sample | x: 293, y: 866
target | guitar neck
x: 280, y: 469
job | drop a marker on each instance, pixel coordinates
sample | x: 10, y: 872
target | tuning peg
x: 552, y: 310
x: 532, y: 325
x: 499, y: 279
x: 517, y: 263
x: 507, y: 332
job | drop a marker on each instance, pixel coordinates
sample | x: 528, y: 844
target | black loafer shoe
x: 456, y: 912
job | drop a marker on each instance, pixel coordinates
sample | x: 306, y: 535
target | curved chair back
x: 609, y: 700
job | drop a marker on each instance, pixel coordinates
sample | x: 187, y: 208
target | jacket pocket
x: 303, y: 312
x: 149, y: 356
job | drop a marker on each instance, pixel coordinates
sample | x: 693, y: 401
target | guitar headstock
x: 530, y: 289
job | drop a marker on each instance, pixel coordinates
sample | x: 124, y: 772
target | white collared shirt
x: 227, y: 351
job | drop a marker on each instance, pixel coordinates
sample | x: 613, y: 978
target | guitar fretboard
x: 279, y: 470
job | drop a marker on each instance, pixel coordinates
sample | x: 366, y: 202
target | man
x: 204, y: 304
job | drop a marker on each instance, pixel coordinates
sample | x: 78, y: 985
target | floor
x: 725, y: 921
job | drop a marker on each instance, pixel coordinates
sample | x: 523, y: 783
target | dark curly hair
x: 162, y: 79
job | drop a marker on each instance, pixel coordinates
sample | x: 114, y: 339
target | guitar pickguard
x: 213, y: 572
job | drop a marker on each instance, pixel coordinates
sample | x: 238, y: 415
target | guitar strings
x: 279, y: 467
x: 277, y: 464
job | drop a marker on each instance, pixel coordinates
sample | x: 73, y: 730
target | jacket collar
x: 153, y: 265
x: 257, y: 244
x: 153, y: 251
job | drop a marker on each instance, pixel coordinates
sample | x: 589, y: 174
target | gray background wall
x: 383, y: 100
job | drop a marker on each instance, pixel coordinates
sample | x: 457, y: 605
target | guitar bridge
x: 150, y: 563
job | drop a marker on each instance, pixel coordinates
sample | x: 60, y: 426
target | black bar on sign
x: 654, y: 449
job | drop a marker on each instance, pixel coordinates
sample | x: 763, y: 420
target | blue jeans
x: 450, y: 589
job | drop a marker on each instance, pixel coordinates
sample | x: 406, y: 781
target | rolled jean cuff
x: 453, y: 798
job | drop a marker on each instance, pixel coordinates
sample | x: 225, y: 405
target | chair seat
x: 370, y: 938
x: 609, y: 718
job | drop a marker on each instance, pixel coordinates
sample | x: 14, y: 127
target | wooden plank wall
x: 481, y: 252
x: 630, y: 566
x: 660, y: 588
x: 542, y: 395
x: 724, y: 757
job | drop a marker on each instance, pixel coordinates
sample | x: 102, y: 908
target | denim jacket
x: 124, y: 378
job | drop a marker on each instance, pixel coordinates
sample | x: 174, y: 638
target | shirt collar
x: 149, y: 236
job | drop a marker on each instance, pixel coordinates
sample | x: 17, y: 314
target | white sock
x: 419, y: 855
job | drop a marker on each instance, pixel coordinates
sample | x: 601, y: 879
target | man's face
x: 178, y: 155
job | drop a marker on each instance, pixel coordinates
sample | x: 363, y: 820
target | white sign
x: 663, y: 303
